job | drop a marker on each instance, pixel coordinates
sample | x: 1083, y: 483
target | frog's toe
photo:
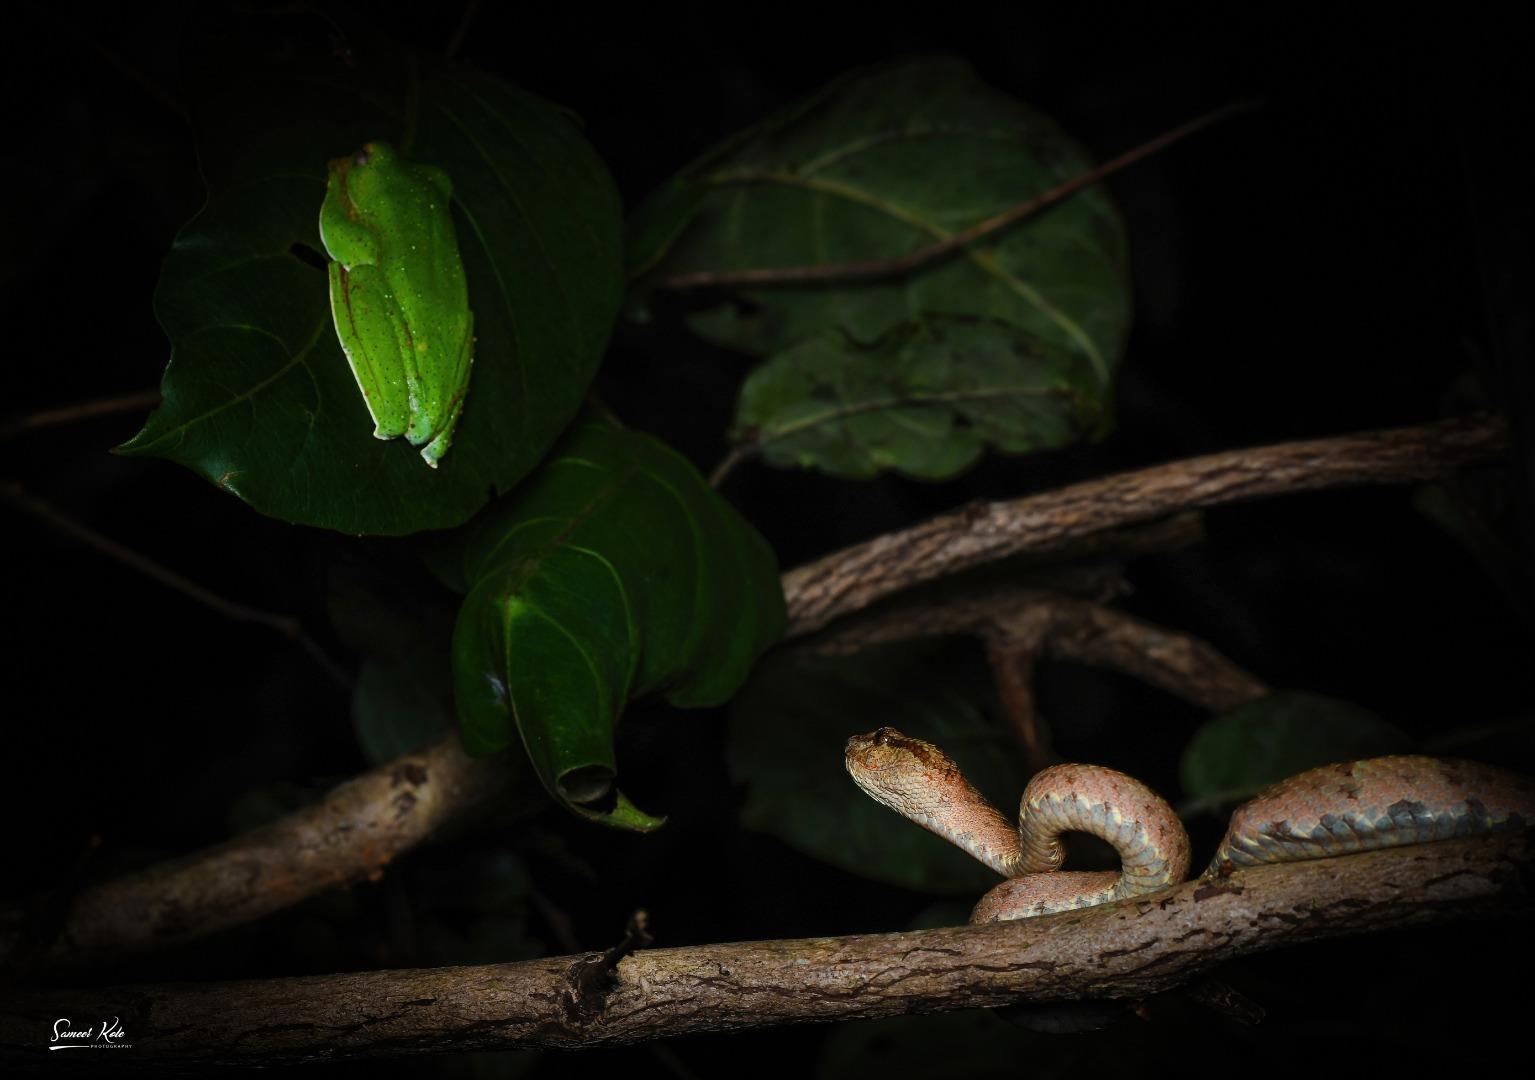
x: 433, y: 451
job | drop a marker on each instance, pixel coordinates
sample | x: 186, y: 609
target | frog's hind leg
x: 433, y: 451
x: 366, y: 317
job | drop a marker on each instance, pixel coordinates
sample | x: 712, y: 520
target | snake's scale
x: 1332, y: 810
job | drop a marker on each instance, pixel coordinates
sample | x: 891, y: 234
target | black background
x: 1354, y: 254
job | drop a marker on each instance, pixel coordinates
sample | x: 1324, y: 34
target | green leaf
x: 258, y: 397
x: 791, y: 722
x: 925, y: 399
x: 879, y: 164
x: 398, y: 708
x: 403, y: 697
x: 613, y: 572
x: 1243, y: 751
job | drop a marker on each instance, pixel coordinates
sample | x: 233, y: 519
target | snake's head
x: 886, y: 748
x: 897, y: 770
x: 923, y: 784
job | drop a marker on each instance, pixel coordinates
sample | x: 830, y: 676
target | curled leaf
x: 615, y: 571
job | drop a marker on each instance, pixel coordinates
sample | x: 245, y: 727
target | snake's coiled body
x: 1333, y: 810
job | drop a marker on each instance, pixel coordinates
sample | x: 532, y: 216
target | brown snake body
x: 1332, y: 810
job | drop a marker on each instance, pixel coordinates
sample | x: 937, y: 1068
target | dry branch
x: 1022, y: 625
x: 1127, y: 950
x: 73, y: 414
x: 351, y: 835
x: 853, y: 578
x: 1063, y: 627
x: 1174, y: 661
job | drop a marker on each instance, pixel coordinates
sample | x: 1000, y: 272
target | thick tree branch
x: 855, y: 577
x: 1126, y: 950
x: 351, y: 835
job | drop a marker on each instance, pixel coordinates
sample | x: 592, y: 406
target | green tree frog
x: 398, y: 295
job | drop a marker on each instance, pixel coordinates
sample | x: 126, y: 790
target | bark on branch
x: 1062, y: 627
x: 1127, y: 950
x: 853, y: 578
x: 349, y: 836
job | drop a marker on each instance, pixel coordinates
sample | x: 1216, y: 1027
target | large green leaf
x: 788, y: 730
x: 614, y: 571
x: 1243, y: 751
x: 879, y: 164
x: 258, y: 396
x: 925, y: 399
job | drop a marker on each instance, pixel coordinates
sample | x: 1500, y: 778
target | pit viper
x: 1331, y: 810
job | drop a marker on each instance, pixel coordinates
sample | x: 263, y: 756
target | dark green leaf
x: 613, y: 572
x: 403, y: 697
x: 258, y: 396
x: 398, y: 708
x: 1240, y: 753
x: 787, y: 734
x: 925, y: 399
x: 877, y: 165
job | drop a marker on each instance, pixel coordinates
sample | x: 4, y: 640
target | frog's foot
x: 433, y: 451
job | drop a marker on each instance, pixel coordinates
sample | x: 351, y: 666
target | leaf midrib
x: 879, y: 404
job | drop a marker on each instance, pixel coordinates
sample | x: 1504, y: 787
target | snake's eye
x: 882, y: 736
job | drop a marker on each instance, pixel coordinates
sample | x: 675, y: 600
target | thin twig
x: 864, y: 269
x: 738, y: 454
x: 136, y: 77
x: 461, y: 31
x: 286, y: 625
x: 592, y: 977
x: 85, y: 410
